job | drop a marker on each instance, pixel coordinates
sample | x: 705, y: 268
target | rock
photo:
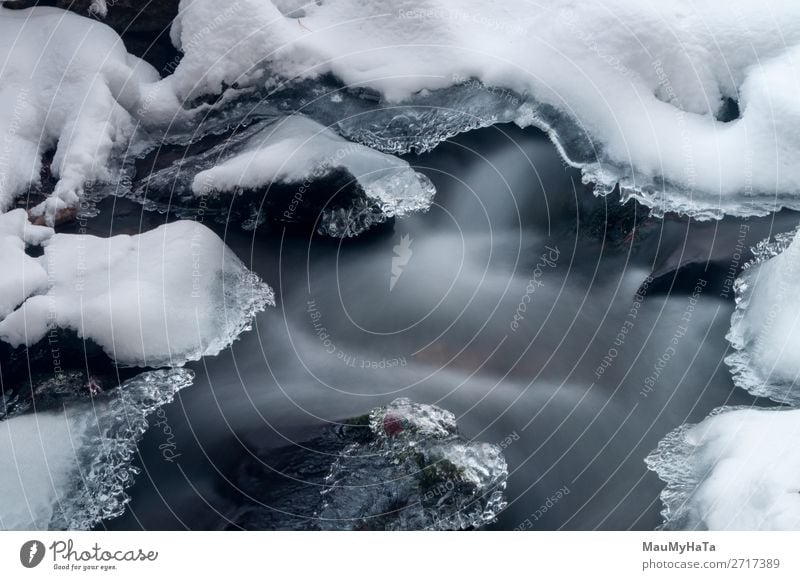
x: 401, y: 467
x: 63, y: 216
x: 52, y: 372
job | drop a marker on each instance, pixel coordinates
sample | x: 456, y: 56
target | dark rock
x: 54, y: 371
x: 143, y: 25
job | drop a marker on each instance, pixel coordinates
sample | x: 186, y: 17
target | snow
x: 22, y: 275
x: 69, y: 469
x: 160, y: 298
x: 628, y: 89
x: 736, y: 470
x: 297, y: 150
x: 67, y: 85
x: 33, y: 470
x: 765, y: 328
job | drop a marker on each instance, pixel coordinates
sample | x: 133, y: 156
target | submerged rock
x: 401, y: 467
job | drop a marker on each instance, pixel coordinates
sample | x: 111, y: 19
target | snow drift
x: 689, y: 108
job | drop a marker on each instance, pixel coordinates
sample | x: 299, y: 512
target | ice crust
x: 736, y: 470
x: 294, y: 151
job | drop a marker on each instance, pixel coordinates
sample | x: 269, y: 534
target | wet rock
x: 53, y: 372
x: 716, y: 251
x: 617, y: 225
x: 49, y: 391
x: 63, y: 216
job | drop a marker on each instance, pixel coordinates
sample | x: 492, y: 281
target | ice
x: 160, y: 298
x: 69, y: 469
x: 765, y: 327
x: 736, y: 470
x: 419, y: 125
x: 68, y: 86
x: 416, y: 473
x: 603, y: 77
x: 281, y: 165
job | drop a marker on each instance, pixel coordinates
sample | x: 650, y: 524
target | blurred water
x: 507, y: 297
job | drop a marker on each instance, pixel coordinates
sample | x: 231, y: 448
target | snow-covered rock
x: 69, y: 469
x: 68, y: 85
x: 292, y: 170
x: 765, y: 327
x: 298, y: 149
x: 630, y: 90
x: 739, y: 469
x: 161, y: 298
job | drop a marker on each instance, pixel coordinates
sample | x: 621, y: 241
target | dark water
x: 511, y: 226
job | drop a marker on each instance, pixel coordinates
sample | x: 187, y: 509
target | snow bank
x: 765, y: 328
x: 69, y: 470
x: 160, y: 298
x: 739, y: 469
x: 629, y: 89
x: 67, y: 85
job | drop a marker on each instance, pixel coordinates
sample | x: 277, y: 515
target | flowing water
x: 511, y: 303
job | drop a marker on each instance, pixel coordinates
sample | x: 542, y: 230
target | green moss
x: 438, y: 472
x: 360, y: 421
x: 358, y: 429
